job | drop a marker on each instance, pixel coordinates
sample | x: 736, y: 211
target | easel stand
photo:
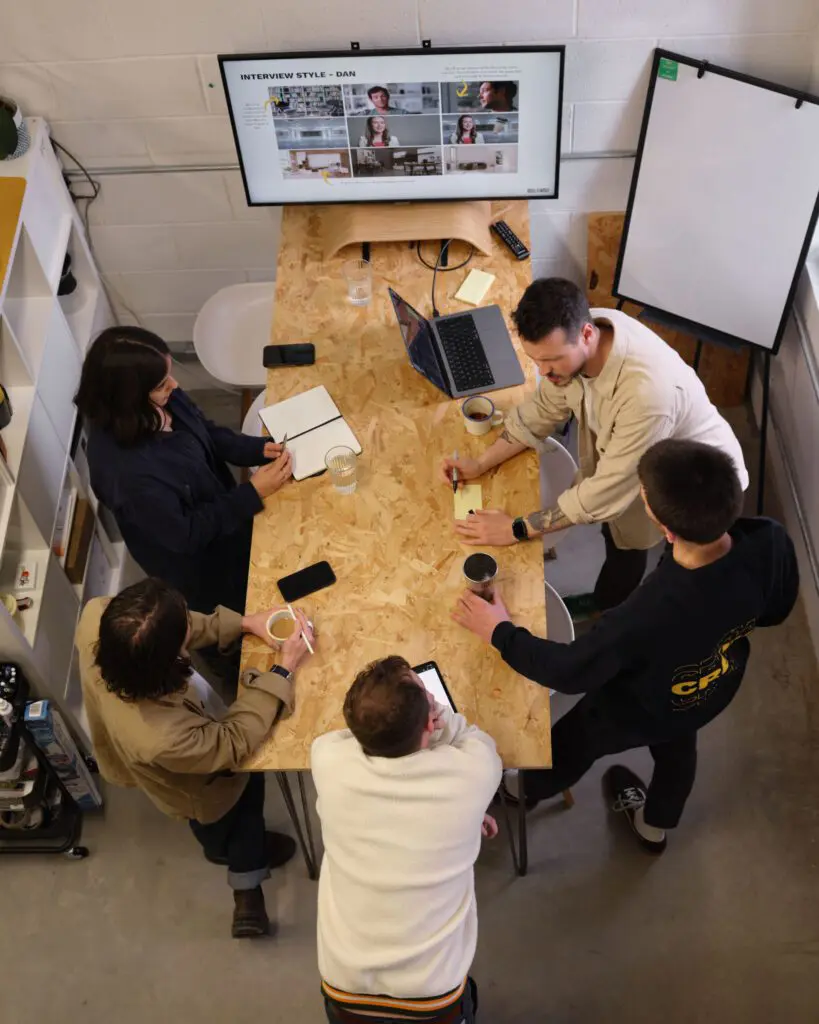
x: 363, y: 223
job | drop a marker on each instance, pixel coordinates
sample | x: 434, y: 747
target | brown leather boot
x: 250, y: 918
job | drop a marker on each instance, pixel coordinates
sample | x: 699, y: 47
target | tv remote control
x: 510, y: 240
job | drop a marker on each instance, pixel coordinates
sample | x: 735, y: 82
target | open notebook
x: 313, y: 426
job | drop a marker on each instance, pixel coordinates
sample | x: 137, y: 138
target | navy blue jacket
x: 180, y: 512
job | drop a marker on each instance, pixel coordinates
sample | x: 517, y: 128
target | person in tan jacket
x: 150, y: 730
x: 627, y: 389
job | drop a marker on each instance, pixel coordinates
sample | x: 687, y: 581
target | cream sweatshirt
x: 396, y: 910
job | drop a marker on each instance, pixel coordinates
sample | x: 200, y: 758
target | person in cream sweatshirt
x: 402, y: 796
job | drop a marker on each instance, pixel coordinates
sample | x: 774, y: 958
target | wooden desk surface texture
x: 391, y: 543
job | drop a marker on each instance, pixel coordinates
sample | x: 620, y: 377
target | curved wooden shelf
x: 406, y: 222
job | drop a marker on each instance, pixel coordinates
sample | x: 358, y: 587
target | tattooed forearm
x: 547, y: 520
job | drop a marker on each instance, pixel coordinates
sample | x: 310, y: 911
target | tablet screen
x: 431, y: 678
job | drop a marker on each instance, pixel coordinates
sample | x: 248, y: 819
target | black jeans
x: 621, y: 573
x: 464, y: 1013
x: 239, y: 837
x: 589, y: 732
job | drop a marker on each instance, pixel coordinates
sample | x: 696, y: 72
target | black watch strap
x: 519, y: 529
x: 280, y: 670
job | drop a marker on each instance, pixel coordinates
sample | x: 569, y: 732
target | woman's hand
x: 256, y: 625
x: 294, y: 649
x: 272, y: 449
x: 468, y: 469
x: 268, y: 479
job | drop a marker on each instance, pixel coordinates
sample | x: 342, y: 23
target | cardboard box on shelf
x: 50, y: 734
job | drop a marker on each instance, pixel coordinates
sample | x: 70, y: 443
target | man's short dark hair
x: 142, y: 631
x: 386, y: 710
x: 549, y: 303
x: 378, y: 88
x: 692, y: 488
x: 510, y: 88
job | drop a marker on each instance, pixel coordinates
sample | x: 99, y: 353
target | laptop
x: 461, y: 354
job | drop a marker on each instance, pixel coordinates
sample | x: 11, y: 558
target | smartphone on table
x: 430, y: 676
x: 306, y: 581
x: 289, y: 355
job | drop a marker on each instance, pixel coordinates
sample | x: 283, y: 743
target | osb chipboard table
x: 391, y: 544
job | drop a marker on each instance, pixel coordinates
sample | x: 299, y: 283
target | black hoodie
x: 673, y: 655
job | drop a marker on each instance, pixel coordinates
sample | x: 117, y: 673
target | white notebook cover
x: 313, y: 426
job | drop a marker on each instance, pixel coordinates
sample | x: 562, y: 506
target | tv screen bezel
x: 412, y: 51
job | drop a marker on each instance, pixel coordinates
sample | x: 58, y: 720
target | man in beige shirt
x: 627, y: 389
x: 150, y: 729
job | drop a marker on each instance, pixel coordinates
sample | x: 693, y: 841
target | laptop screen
x: 420, y: 343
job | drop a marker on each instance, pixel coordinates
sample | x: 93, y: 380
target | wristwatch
x: 280, y: 670
x: 519, y: 529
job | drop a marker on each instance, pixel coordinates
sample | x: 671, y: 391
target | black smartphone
x: 306, y: 581
x: 289, y: 355
x: 431, y: 677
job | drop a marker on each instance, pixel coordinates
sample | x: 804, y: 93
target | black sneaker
x: 626, y: 794
x: 279, y: 847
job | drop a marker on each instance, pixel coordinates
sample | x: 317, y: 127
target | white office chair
x: 231, y: 331
x: 560, y: 629
x: 252, y: 424
x: 557, y: 472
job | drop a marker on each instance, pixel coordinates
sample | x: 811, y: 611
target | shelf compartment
x: 12, y: 191
x: 47, y: 219
x: 59, y: 374
x: 80, y: 307
x: 24, y: 545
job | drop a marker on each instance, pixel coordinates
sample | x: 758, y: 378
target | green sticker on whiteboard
x: 668, y: 69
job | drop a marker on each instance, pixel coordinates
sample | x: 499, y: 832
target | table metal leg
x: 519, y: 852
x: 523, y: 838
x: 307, y: 848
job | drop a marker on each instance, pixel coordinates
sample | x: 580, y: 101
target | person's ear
x: 429, y: 729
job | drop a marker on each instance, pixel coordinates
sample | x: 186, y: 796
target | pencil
x: 455, y: 473
x: 304, y: 638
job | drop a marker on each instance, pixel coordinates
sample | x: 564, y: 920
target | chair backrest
x: 559, y: 625
x: 557, y: 473
x: 252, y: 424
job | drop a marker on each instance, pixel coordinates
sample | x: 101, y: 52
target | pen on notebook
x: 304, y: 638
x: 455, y: 473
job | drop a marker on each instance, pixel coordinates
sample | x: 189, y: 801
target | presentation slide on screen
x: 383, y: 128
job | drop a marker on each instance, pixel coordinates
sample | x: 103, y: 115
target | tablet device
x: 432, y: 679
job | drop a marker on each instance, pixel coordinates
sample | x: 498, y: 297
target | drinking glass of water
x: 340, y: 461
x: 359, y: 277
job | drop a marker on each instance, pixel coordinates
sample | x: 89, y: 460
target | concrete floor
x: 722, y: 928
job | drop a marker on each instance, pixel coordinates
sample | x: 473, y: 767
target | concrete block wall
x: 138, y: 86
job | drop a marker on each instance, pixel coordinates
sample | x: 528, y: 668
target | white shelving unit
x: 43, y: 338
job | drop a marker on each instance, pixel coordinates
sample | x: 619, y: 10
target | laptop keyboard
x: 464, y: 353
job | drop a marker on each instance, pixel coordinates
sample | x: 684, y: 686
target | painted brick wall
x: 137, y: 85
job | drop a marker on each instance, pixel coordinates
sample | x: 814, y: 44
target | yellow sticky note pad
x: 476, y: 284
x: 467, y: 497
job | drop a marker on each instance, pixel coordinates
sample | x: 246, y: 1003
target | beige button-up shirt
x: 644, y: 393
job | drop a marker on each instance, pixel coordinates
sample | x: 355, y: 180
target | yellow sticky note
x: 476, y: 284
x: 468, y: 497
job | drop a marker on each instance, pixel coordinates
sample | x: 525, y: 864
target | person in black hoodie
x: 161, y: 468
x: 667, y: 661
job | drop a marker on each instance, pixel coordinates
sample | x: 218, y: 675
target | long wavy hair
x: 371, y: 133
x: 459, y: 133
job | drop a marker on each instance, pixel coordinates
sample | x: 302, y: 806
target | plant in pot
x: 14, y: 137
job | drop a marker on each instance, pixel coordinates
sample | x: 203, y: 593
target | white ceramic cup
x: 480, y: 414
x: 282, y: 613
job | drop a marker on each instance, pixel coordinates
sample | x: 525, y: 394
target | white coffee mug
x: 282, y: 613
x: 480, y: 414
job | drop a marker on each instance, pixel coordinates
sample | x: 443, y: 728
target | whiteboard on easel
x: 723, y: 202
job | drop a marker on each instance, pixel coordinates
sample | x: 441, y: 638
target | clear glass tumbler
x: 359, y: 277
x: 340, y: 461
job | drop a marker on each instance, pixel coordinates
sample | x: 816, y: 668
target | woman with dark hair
x: 151, y: 730
x: 465, y: 134
x: 161, y: 468
x: 378, y: 134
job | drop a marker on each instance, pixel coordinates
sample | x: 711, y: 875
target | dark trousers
x: 462, y: 1013
x: 589, y: 732
x: 621, y: 573
x: 239, y: 838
